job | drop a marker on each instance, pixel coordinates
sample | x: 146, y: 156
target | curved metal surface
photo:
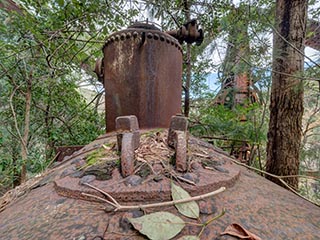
x: 142, y: 77
x: 262, y: 207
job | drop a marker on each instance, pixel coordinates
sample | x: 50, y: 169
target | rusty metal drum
x: 142, y: 72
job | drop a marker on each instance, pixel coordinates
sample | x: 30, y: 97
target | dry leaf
x: 240, y: 232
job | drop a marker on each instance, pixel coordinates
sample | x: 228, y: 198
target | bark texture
x: 286, y: 103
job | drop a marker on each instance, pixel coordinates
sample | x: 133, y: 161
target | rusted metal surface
x: 128, y: 138
x: 65, y: 151
x: 178, y: 123
x: 125, y: 124
x: 188, y: 32
x: 142, y: 76
x: 313, y: 35
x: 127, y: 155
x: 177, y: 138
x: 52, y: 208
x: 181, y: 151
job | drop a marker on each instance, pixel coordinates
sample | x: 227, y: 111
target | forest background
x: 48, y: 51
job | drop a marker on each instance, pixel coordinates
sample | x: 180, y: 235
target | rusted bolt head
x: 128, y: 35
x: 135, y: 34
x: 123, y: 36
x: 178, y: 123
x: 149, y: 35
x: 127, y: 123
x: 156, y: 36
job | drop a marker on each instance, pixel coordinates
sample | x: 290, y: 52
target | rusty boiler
x: 141, y: 72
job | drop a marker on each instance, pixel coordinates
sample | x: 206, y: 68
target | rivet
x: 117, y: 37
x: 128, y: 35
x: 149, y: 35
x: 122, y: 36
x: 168, y: 40
x: 112, y: 39
x: 161, y: 38
x: 135, y: 34
x: 156, y: 36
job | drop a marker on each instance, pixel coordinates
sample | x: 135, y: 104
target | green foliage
x: 48, y: 47
x: 222, y: 121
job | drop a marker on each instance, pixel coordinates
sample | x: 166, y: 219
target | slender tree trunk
x: 24, y: 144
x: 286, y: 104
x: 188, y: 66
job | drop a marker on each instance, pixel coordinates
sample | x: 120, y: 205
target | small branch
x: 99, y: 198
x: 15, y: 117
x: 118, y: 207
x: 186, y: 180
x: 104, y: 193
x: 210, y: 221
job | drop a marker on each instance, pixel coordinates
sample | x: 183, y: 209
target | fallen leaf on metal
x: 188, y: 209
x: 159, y: 225
x: 237, y: 230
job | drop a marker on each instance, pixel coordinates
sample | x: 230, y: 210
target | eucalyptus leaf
x: 189, y: 237
x: 159, y: 225
x: 188, y: 209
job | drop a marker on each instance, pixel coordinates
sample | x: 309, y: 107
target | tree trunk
x: 286, y: 103
x: 188, y: 66
x: 24, y: 144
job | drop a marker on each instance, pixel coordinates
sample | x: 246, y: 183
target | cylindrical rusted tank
x: 142, y: 71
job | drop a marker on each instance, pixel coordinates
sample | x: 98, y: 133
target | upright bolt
x: 128, y: 139
x: 177, y: 139
x: 125, y: 124
x: 178, y: 123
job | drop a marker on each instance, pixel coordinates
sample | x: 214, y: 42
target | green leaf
x: 159, y: 225
x: 188, y: 209
x: 189, y: 237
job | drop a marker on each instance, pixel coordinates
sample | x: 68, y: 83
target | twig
x: 100, y: 198
x: 210, y: 221
x: 119, y: 207
x: 185, y: 180
x: 103, y: 192
x: 24, y: 144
